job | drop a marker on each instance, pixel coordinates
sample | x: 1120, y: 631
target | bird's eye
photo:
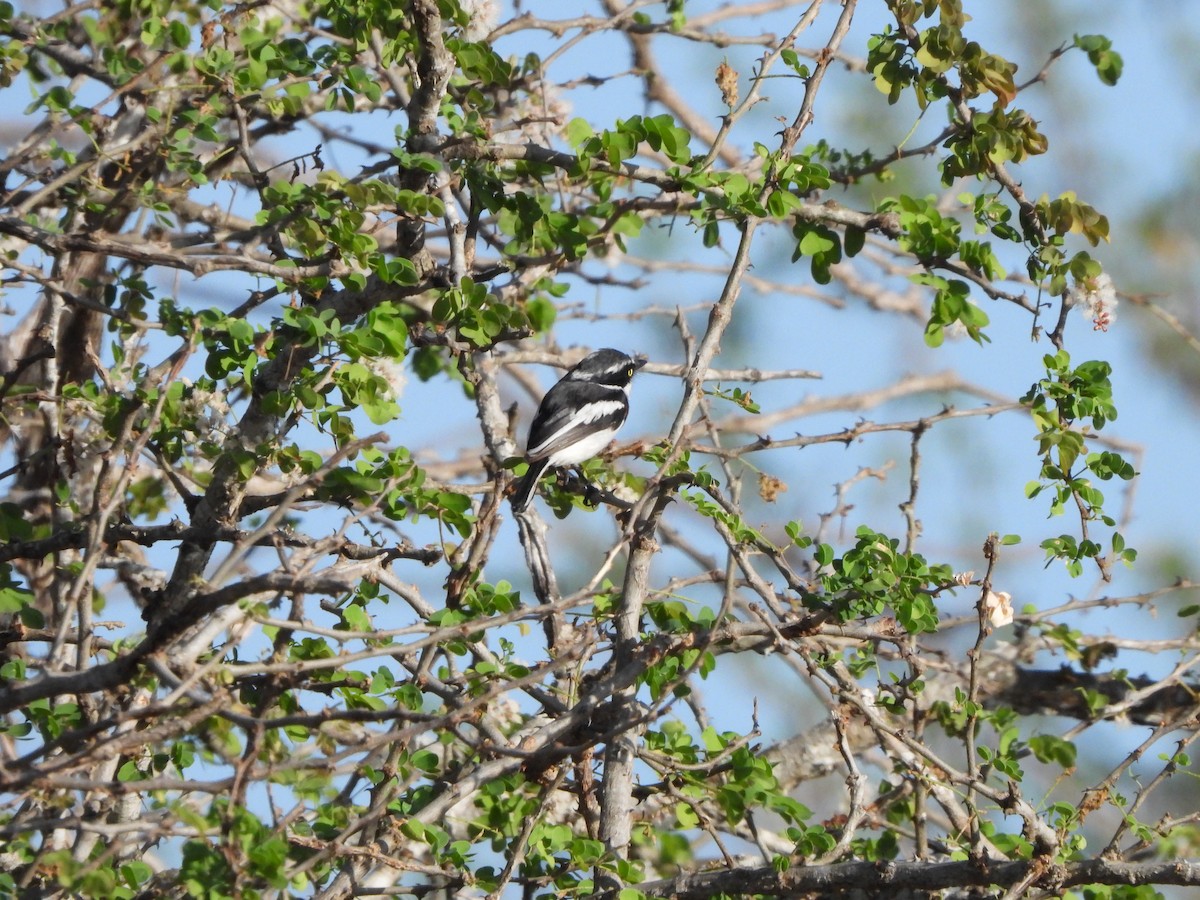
x: 629, y: 371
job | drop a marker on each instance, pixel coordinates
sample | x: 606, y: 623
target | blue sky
x: 1116, y: 147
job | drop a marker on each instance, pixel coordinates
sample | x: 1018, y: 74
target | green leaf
x: 578, y: 131
x: 854, y: 240
x: 685, y: 815
x: 1051, y: 749
x: 136, y: 873
x: 1109, y: 64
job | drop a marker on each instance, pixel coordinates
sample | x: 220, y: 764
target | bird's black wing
x: 571, y: 410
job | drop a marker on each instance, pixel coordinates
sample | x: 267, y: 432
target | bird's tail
x: 527, y: 485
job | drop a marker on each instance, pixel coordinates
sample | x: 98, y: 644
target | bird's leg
x: 592, y: 495
x: 576, y: 482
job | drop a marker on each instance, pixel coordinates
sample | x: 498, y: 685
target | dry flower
x: 727, y: 81
x: 770, y: 487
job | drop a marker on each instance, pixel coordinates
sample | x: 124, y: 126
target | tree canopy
x: 284, y: 283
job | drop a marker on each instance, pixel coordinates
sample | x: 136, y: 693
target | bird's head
x: 607, y: 366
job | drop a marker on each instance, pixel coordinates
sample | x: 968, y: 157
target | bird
x: 578, y: 417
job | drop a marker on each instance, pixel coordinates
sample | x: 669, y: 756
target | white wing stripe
x: 598, y: 409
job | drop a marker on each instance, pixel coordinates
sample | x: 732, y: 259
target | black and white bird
x: 578, y: 417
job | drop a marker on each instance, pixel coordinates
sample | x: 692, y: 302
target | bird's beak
x: 639, y: 361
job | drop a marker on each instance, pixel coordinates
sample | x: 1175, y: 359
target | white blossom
x: 391, y: 372
x: 1097, y: 296
x: 997, y: 606
x: 561, y: 808
x: 955, y: 331
x: 485, y: 16
x: 507, y: 712
x: 208, y: 410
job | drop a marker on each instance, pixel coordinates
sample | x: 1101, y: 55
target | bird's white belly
x: 583, y: 449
